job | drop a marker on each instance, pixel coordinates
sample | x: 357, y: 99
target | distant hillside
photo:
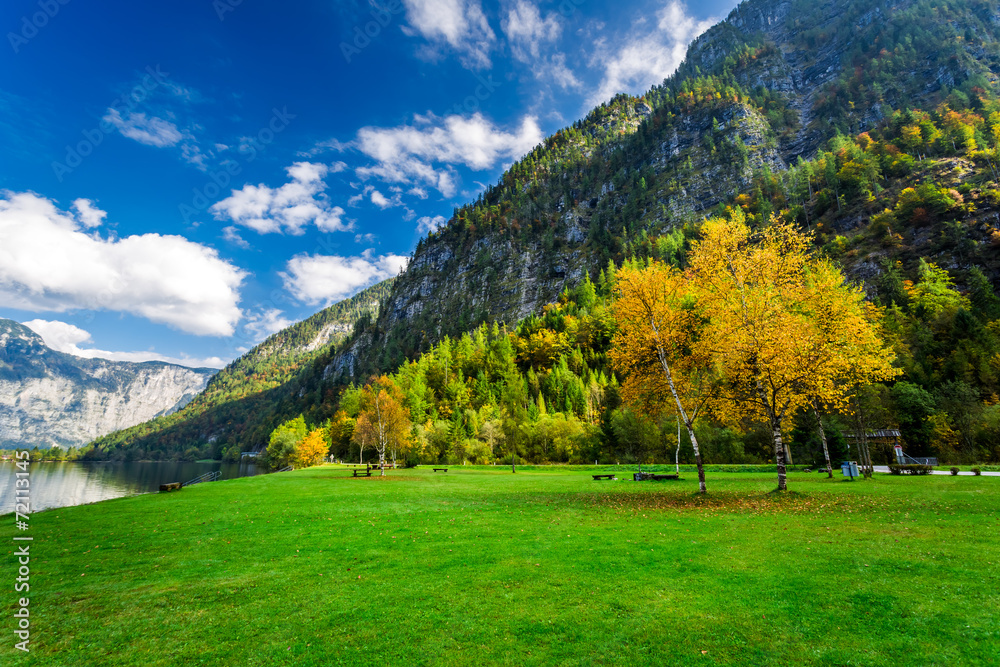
x: 50, y: 398
x: 230, y: 409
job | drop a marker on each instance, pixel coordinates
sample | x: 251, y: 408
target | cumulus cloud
x: 65, y: 337
x: 457, y: 24
x: 53, y: 260
x: 288, y: 208
x: 647, y: 55
x: 384, y: 202
x: 428, y: 224
x: 326, y: 279
x: 263, y: 323
x: 88, y: 214
x: 408, y: 153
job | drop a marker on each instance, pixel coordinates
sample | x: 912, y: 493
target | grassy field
x: 478, y: 566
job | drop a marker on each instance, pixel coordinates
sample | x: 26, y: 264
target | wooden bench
x: 172, y: 486
x: 439, y: 469
x: 596, y: 477
x: 362, y: 473
x: 660, y: 478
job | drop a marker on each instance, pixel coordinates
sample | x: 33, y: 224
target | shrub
x: 910, y: 469
x: 977, y: 472
x: 954, y: 470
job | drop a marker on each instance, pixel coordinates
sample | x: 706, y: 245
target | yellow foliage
x: 785, y: 328
x: 312, y: 450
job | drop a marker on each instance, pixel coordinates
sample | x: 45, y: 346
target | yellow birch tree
x: 784, y: 328
x: 657, y: 347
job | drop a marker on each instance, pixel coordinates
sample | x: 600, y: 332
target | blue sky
x: 179, y: 180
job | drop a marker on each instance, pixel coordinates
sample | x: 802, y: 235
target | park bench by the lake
x: 172, y: 486
x: 597, y: 477
x: 439, y: 469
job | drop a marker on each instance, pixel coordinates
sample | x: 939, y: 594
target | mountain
x: 873, y: 123
x: 50, y: 398
x: 233, y: 410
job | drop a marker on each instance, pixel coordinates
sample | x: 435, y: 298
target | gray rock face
x: 51, y: 398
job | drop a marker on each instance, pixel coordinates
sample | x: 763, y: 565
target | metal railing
x: 285, y: 469
x: 207, y: 477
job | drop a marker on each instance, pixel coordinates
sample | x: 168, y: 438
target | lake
x: 62, y: 484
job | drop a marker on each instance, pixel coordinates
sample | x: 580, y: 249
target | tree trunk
x: 677, y: 454
x: 681, y: 411
x: 697, y: 458
x: 779, y: 453
x: 822, y: 437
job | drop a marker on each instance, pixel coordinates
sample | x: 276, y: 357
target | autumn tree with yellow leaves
x: 313, y: 449
x: 784, y: 327
x: 757, y: 327
x: 384, y: 422
x: 658, y: 346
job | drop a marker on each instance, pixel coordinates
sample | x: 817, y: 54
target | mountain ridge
x: 52, y: 398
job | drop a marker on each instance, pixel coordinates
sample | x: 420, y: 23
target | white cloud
x: 648, y: 55
x: 459, y: 24
x: 530, y: 37
x: 65, y: 337
x: 428, y: 224
x: 262, y: 324
x: 326, y: 279
x: 526, y: 30
x: 88, y: 214
x: 288, y: 208
x: 232, y: 235
x: 155, y: 131
x: 384, y: 202
x: 405, y: 154
x: 148, y: 130
x: 51, y: 260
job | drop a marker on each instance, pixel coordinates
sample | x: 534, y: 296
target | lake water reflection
x: 62, y: 484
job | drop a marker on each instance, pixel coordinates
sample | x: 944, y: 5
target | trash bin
x: 849, y: 468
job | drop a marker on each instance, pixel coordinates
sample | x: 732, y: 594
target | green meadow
x: 478, y: 566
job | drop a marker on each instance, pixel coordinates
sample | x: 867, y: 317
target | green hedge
x: 912, y: 469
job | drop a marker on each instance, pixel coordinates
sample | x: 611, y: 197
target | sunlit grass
x: 479, y: 566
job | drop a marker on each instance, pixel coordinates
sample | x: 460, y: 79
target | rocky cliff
x: 51, y: 398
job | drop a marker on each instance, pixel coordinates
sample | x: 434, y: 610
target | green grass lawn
x: 479, y: 566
